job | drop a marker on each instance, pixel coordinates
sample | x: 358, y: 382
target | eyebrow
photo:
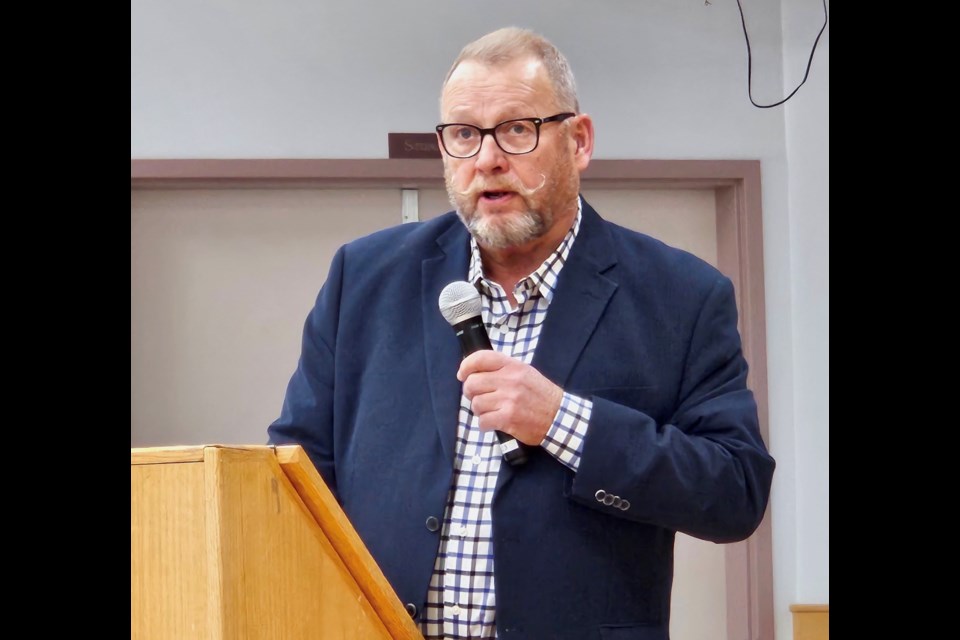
x: 519, y: 115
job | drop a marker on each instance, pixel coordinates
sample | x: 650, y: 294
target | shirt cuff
x: 564, y: 439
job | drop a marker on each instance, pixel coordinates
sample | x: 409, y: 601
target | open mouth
x: 496, y: 195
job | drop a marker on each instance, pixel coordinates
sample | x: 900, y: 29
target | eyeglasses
x: 513, y: 136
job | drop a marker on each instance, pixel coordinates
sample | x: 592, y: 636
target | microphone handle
x: 472, y: 335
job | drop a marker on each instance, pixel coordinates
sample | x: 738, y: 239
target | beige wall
x: 221, y: 282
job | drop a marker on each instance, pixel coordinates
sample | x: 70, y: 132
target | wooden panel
x: 155, y: 455
x: 275, y: 560
x: 225, y: 548
x: 168, y: 580
x: 343, y: 537
x: 811, y: 621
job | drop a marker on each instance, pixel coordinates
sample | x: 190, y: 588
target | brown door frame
x: 736, y: 185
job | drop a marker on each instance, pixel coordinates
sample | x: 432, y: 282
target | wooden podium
x: 230, y: 542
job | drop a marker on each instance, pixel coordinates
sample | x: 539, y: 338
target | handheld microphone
x: 461, y: 306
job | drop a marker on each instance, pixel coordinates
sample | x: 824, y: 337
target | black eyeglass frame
x: 537, y: 122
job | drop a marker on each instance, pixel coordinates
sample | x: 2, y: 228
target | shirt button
x: 432, y: 524
x: 455, y: 609
x: 464, y: 530
x: 477, y: 459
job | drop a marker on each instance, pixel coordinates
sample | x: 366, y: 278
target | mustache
x: 480, y: 185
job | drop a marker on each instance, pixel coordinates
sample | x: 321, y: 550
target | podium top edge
x: 184, y: 453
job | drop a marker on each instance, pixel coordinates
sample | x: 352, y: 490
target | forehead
x: 520, y: 88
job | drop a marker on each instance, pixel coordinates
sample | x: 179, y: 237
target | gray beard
x: 501, y: 234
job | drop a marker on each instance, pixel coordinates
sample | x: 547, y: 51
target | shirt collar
x: 543, y: 280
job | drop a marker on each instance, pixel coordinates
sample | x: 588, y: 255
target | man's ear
x: 583, y: 136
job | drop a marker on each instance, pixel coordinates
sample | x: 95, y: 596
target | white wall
x: 662, y: 79
x: 802, y: 505
x: 323, y: 79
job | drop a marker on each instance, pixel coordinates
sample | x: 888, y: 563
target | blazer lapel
x: 442, y: 348
x: 582, y: 294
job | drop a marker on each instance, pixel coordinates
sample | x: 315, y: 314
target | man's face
x: 509, y: 200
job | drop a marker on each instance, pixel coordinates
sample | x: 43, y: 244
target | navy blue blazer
x: 648, y: 332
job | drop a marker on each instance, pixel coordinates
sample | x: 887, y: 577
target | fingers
x: 508, y: 395
x: 489, y: 371
x: 481, y: 361
x: 485, y: 404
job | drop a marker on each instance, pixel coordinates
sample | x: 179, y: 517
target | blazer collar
x: 582, y: 294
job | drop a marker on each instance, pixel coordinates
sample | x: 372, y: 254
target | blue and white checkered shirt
x: 461, y: 599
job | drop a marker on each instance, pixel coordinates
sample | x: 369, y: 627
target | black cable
x: 750, y: 60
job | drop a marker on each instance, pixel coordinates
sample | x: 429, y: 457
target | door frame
x: 737, y: 190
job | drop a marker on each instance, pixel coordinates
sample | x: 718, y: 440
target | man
x: 616, y: 362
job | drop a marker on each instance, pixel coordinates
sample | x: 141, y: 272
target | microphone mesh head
x: 458, y: 301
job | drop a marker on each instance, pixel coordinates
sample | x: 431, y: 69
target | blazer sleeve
x: 306, y: 417
x: 705, y: 472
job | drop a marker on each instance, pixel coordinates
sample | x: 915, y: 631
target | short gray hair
x: 512, y: 43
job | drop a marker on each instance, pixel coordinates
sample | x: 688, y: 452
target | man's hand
x: 509, y: 395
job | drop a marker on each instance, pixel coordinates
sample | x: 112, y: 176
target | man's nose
x: 490, y: 157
